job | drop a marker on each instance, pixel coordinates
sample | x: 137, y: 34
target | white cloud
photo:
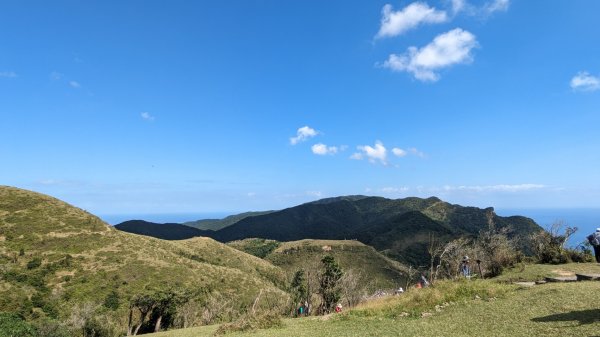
x: 416, y: 152
x: 322, y: 149
x: 317, y: 194
x: 496, y: 6
x: 55, y: 75
x: 378, y: 153
x: 450, y: 48
x: 398, y: 22
x: 147, y: 116
x: 74, y: 84
x: 458, y: 6
x: 583, y: 81
x: 394, y: 189
x: 9, y: 74
x: 303, y: 134
x: 496, y: 188
x: 399, y: 152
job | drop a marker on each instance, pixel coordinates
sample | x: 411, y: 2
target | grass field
x: 474, y: 308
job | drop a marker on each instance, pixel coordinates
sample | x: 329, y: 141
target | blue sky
x: 213, y: 106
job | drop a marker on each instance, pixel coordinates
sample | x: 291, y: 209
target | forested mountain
x: 216, y: 224
x: 399, y: 227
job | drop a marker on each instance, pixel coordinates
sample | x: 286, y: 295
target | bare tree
x: 351, y: 286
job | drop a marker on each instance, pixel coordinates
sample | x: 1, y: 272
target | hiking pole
x: 479, y: 266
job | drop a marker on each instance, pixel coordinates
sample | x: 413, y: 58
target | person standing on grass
x: 594, y: 240
x: 465, y: 267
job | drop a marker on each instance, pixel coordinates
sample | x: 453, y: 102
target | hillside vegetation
x: 400, y: 228
x: 58, y: 259
x: 372, y: 269
x: 216, y: 224
x: 461, y: 308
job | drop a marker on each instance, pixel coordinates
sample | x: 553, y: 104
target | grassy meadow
x: 464, y: 308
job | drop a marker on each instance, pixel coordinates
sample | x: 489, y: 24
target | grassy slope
x: 381, y: 272
x: 503, y: 310
x: 103, y: 259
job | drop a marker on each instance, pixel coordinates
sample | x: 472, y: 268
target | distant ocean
x: 114, y: 219
x: 585, y: 219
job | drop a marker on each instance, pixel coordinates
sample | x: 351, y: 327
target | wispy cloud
x: 495, y: 188
x: 583, y: 81
x: 393, y: 190
x: 398, y: 152
x: 373, y: 154
x: 496, y: 6
x: 322, y: 149
x: 317, y: 194
x: 447, y: 49
x: 416, y: 152
x: 394, y: 23
x: 147, y: 116
x: 303, y: 134
x: 9, y: 74
x: 75, y: 84
x: 458, y: 6
x: 482, y: 11
x: 56, y: 76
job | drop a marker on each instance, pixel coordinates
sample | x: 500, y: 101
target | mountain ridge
x: 384, y: 223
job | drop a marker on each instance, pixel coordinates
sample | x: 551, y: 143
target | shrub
x: 548, y: 246
x: 51, y: 328
x: 112, y: 300
x: 34, y: 263
x: 12, y: 325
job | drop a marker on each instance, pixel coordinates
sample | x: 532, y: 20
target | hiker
x: 424, y: 281
x: 301, y: 309
x: 465, y: 267
x: 338, y: 307
x: 594, y: 240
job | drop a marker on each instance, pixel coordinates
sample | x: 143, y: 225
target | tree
x: 144, y: 303
x: 299, y: 288
x: 329, y: 290
x: 166, y: 303
x: 351, y: 287
x: 153, y: 307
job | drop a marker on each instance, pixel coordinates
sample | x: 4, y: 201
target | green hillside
x: 216, y: 224
x: 374, y: 270
x: 57, y: 258
x: 400, y: 228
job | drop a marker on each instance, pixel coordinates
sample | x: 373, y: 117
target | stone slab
x: 562, y: 279
x: 588, y: 277
x: 525, y: 284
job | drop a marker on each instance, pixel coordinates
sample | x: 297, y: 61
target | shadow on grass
x: 582, y: 316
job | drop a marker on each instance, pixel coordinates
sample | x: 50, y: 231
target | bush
x: 34, y: 263
x: 112, y: 300
x: 12, y: 325
x: 50, y: 328
x: 548, y: 246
